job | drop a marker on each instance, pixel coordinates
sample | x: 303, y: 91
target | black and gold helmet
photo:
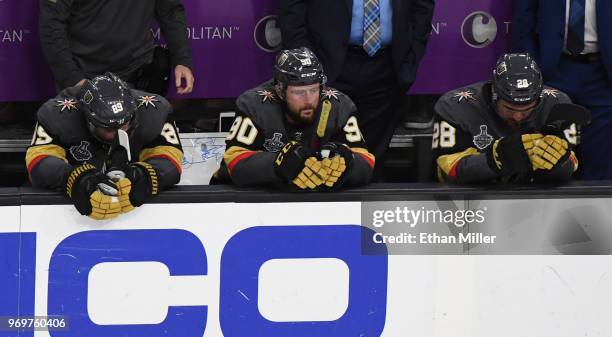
x: 107, y: 102
x: 517, y: 79
x: 297, y: 67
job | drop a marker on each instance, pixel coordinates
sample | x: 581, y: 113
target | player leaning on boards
x: 509, y: 129
x: 75, y: 146
x: 294, y: 131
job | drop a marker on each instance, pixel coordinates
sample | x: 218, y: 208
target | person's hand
x: 181, y: 72
x: 337, y: 159
x: 296, y: 163
x: 82, y: 187
x: 511, y: 155
x: 142, y: 186
x: 548, y: 151
x: 81, y: 82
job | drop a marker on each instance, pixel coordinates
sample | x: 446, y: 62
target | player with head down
x: 75, y: 147
x: 295, y: 132
x: 508, y: 129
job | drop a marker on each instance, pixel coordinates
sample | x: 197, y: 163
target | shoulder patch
x: 548, y: 92
x: 147, y: 100
x: 66, y: 104
x: 464, y: 95
x: 330, y: 93
x: 266, y: 96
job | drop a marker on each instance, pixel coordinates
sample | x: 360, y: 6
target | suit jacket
x: 324, y: 26
x: 539, y: 29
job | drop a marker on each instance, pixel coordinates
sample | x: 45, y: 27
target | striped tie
x: 371, y: 26
x: 575, y: 27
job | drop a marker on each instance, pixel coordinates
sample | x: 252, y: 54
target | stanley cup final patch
x: 275, y: 143
x: 81, y: 152
x: 483, y: 139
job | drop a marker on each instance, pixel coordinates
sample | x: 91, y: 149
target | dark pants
x: 371, y: 82
x: 588, y: 84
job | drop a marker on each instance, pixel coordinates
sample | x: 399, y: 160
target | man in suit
x: 572, y: 42
x: 370, y: 50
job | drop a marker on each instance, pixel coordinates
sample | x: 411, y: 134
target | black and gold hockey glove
x: 142, y: 185
x: 124, y: 187
x: 82, y: 188
x: 511, y: 155
x: 548, y: 151
x: 337, y: 159
x: 297, y: 164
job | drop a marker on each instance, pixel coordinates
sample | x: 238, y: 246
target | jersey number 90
x: 243, y: 130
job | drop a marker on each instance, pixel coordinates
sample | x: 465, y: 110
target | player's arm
x: 553, y: 157
x: 46, y: 160
x: 456, y: 158
x: 53, y: 18
x: 360, y: 162
x: 246, y: 162
x: 159, y: 166
x: 553, y: 160
x: 48, y: 167
x: 165, y: 155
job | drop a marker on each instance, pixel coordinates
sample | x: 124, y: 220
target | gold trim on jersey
x: 162, y: 151
x: 234, y: 152
x: 52, y: 150
x: 446, y: 162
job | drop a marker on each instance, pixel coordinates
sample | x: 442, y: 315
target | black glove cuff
x: 508, y: 156
x: 151, y: 174
x: 290, y: 160
x: 75, y: 175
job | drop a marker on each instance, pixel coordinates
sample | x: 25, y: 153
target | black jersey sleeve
x: 46, y: 159
x: 350, y: 134
x: 244, y: 158
x: 456, y: 159
x: 165, y: 154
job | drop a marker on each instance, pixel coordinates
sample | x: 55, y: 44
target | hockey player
x: 495, y: 130
x: 294, y: 131
x: 74, y: 146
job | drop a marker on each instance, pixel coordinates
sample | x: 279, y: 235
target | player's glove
x: 548, y: 151
x: 337, y: 159
x: 82, y: 189
x: 296, y: 163
x: 124, y: 187
x: 142, y: 185
x: 511, y: 155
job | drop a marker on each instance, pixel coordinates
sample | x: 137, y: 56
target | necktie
x: 575, y: 27
x: 371, y: 26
